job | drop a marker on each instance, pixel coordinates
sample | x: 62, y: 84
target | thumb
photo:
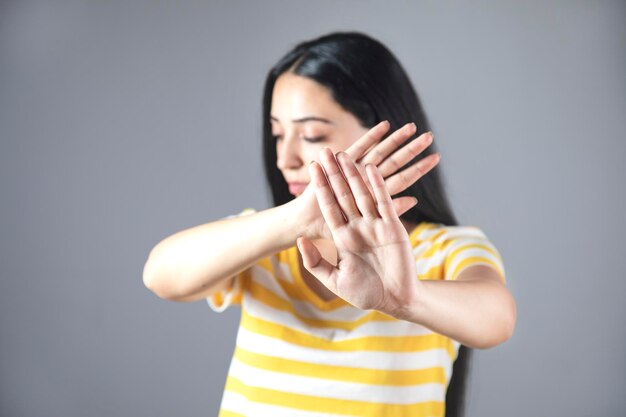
x: 316, y: 264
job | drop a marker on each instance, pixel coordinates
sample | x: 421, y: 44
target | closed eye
x: 314, y: 139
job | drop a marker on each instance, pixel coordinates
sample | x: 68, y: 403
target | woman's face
x: 305, y: 118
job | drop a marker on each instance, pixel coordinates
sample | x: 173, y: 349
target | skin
x: 178, y: 267
x: 346, y: 236
x: 367, y: 260
x: 305, y: 121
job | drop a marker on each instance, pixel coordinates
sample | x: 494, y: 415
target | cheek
x: 348, y: 138
x: 355, y: 135
x: 312, y: 153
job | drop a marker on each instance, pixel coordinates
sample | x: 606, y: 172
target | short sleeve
x: 468, y: 246
x: 219, y: 301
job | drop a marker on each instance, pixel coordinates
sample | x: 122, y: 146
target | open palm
x: 389, y: 155
x: 375, y: 265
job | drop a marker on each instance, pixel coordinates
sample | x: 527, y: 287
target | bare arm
x: 376, y: 266
x: 193, y: 263
x: 476, y: 309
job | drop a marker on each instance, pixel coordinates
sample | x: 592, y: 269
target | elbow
x: 509, y: 317
x: 156, y: 279
x: 152, y: 282
x: 502, y: 327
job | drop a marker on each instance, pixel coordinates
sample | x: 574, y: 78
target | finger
x: 365, y: 142
x: 314, y: 263
x: 362, y: 196
x: 381, y: 151
x: 405, y: 178
x: 383, y: 199
x: 402, y: 156
x: 339, y: 185
x: 325, y: 198
x: 403, y: 204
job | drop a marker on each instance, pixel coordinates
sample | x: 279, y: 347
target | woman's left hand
x: 375, y: 263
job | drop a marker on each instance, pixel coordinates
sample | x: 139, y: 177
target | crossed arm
x: 376, y: 269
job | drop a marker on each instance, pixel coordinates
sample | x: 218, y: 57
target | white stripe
x: 265, y: 278
x: 423, y: 264
x: 344, y: 313
x: 262, y: 311
x: 470, y: 241
x: 227, y: 296
x: 421, y: 248
x: 450, y: 232
x: 347, y: 313
x: 238, y: 403
x: 397, y: 361
x: 329, y: 388
x: 470, y: 252
x: 428, y: 233
x: 455, y: 232
x: 282, y: 269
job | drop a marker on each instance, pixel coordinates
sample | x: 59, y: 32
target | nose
x: 288, y: 153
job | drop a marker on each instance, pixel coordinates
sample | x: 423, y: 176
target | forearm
x: 195, y: 259
x: 478, y: 314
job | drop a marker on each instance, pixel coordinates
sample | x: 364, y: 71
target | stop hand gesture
x: 375, y: 263
x: 389, y: 155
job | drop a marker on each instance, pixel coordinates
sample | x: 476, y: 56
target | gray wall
x: 123, y: 123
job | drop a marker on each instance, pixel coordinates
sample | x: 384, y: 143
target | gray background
x: 121, y: 124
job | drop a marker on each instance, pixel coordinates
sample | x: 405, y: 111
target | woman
x: 368, y: 314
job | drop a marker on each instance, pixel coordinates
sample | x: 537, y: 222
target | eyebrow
x: 306, y: 119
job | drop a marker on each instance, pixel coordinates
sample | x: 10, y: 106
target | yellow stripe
x: 218, y: 298
x: 434, y: 249
x: 342, y: 373
x: 434, y: 272
x: 473, y: 245
x: 415, y: 233
x: 226, y: 413
x: 451, y: 257
x: 266, y: 264
x: 293, y: 290
x: 417, y: 343
x: 477, y: 260
x: 332, y: 405
x: 303, y: 288
x: 269, y: 298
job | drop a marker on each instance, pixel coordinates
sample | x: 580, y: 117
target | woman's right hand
x: 389, y: 156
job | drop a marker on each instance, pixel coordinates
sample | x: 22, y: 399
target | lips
x: 296, y: 188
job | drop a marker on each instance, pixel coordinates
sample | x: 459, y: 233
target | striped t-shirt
x: 298, y: 355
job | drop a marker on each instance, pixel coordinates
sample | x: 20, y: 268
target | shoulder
x: 453, y: 248
x: 436, y: 233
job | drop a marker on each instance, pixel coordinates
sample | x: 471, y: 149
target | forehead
x: 295, y: 97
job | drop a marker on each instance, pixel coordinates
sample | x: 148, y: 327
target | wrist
x: 411, y: 304
x: 302, y: 217
x: 292, y: 216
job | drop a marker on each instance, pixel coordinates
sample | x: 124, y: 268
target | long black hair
x: 367, y: 80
